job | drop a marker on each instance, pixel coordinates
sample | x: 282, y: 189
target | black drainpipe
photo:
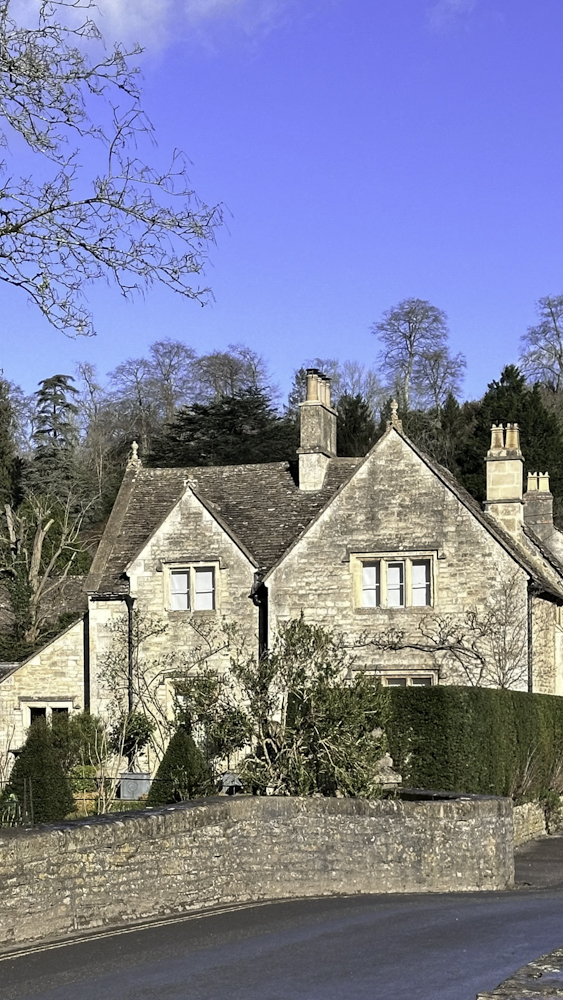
x: 259, y: 595
x: 530, y: 639
x: 130, y: 652
x: 86, y: 659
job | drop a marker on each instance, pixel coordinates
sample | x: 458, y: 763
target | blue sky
x: 366, y: 151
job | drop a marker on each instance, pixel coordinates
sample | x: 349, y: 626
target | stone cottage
x: 389, y: 549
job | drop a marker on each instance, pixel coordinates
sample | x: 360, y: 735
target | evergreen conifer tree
x: 8, y: 460
x: 511, y: 400
x: 38, y: 779
x: 356, y: 428
x: 230, y: 430
x: 183, y: 773
x: 55, y: 436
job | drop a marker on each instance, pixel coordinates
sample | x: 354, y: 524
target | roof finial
x: 395, y: 420
x: 134, y: 456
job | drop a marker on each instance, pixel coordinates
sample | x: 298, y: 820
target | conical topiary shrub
x: 183, y: 773
x: 38, y: 780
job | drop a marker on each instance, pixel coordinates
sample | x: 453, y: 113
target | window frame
x: 383, y: 562
x: 50, y: 705
x: 192, y: 569
x: 410, y: 679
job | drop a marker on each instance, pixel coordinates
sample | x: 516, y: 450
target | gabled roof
x: 261, y: 507
x: 528, y: 553
x: 266, y: 514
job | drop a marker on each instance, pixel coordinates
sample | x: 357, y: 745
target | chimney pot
x: 543, y: 482
x: 512, y: 437
x: 497, y: 437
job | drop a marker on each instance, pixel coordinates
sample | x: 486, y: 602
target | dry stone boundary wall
x: 141, y: 865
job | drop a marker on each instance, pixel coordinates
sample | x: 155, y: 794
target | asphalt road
x: 411, y: 947
x: 423, y: 947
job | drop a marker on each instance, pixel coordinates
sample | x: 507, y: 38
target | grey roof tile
x: 260, y: 505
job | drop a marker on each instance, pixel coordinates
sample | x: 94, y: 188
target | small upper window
x: 409, y: 680
x: 192, y: 589
x: 393, y: 583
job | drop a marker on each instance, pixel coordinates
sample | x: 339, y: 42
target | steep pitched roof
x: 265, y: 512
x: 261, y: 507
x: 528, y: 552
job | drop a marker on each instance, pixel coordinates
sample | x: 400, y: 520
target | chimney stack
x: 538, y: 504
x: 318, y: 432
x: 505, y: 478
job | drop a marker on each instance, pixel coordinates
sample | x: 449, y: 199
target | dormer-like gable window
x: 390, y: 582
x: 192, y: 588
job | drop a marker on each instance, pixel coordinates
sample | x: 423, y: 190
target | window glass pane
x: 203, y: 581
x: 396, y: 682
x: 370, y: 585
x: 179, y: 583
x: 204, y: 602
x: 37, y: 713
x: 204, y: 590
x: 421, y: 583
x: 421, y: 682
x: 59, y: 711
x: 395, y: 585
x: 180, y: 590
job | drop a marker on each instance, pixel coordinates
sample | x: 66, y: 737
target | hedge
x: 476, y: 740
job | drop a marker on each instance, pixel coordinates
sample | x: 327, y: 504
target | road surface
x: 411, y: 947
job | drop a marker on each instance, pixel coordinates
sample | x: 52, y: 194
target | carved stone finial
x: 134, y: 456
x: 395, y: 421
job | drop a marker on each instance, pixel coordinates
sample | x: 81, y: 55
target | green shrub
x: 183, y: 773
x: 38, y: 780
x: 476, y: 740
x: 79, y: 740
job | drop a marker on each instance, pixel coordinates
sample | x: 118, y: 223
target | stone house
x: 389, y: 549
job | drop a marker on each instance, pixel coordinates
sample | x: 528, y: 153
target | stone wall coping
x: 280, y: 804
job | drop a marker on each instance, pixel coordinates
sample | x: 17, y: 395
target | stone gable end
x: 394, y: 507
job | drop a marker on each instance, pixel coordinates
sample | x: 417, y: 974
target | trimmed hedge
x: 476, y: 740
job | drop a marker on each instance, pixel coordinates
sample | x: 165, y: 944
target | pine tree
x: 183, y: 773
x: 510, y: 400
x: 55, y: 436
x: 356, y: 428
x: 8, y: 460
x: 232, y: 430
x: 38, y: 779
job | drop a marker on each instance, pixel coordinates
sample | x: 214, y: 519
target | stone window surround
x: 407, y: 558
x: 190, y: 567
x: 47, y: 703
x: 411, y: 679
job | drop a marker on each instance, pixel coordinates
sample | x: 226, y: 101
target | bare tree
x: 348, y: 378
x: 171, y: 375
x: 485, y: 646
x: 226, y: 373
x: 414, y: 337
x: 39, y: 550
x: 76, y: 107
x: 440, y: 376
x: 541, y: 359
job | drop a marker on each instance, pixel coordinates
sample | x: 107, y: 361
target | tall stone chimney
x: 505, y: 478
x: 318, y: 432
x: 538, y: 504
